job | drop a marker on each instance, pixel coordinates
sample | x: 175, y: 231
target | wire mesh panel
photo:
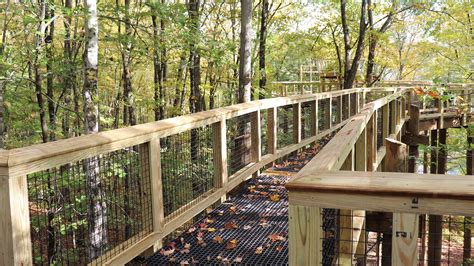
x: 306, y: 121
x: 187, y: 168
x: 90, y: 209
x: 285, y: 126
x: 335, y: 110
x: 445, y: 240
x: 238, y: 143
x: 323, y: 111
x: 263, y: 131
x: 345, y: 107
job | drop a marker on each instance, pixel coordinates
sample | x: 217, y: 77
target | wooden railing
x: 364, y: 147
x: 53, y: 159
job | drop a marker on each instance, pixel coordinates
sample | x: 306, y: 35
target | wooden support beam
x: 305, y: 235
x: 405, y: 239
x: 435, y: 221
x: 393, y: 116
x: 314, y: 117
x: 395, y: 156
x: 361, y: 152
x: 385, y: 121
x: 272, y: 130
x: 414, y: 140
x: 441, y: 112
x: 328, y: 114
x: 256, y: 136
x: 371, y: 131
x: 296, y: 122
x: 221, y: 176
x: 414, y: 122
x: 15, y: 248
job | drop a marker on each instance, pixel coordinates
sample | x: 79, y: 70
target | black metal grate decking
x: 250, y: 228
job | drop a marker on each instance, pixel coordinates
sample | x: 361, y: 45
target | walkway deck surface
x: 250, y: 228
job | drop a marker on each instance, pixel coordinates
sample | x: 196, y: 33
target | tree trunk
x: 50, y: 77
x: 245, y: 71
x: 97, y: 208
x: 129, y: 116
x: 262, y: 48
x: 159, y: 65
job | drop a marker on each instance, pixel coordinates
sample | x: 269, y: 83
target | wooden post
x: 296, y: 123
x: 393, y: 116
x: 272, y: 130
x: 371, y: 130
x: 314, y: 117
x: 255, y: 138
x: 468, y: 220
x: 154, y: 155
x: 385, y: 122
x: 405, y: 239
x: 220, y: 155
x: 348, y: 99
x: 435, y: 225
x: 357, y: 102
x: 394, y: 161
x: 361, y: 152
x: 305, y: 235
x: 441, y: 112
x: 15, y: 248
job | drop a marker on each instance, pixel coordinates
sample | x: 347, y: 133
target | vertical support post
x: 385, y: 121
x: 441, y: 112
x: 314, y: 117
x: 435, y: 226
x: 348, y: 101
x: 272, y: 130
x: 361, y: 152
x: 255, y: 138
x: 15, y: 248
x: 405, y: 239
x: 154, y: 155
x: 305, y: 235
x: 296, y: 123
x: 357, y: 102
x: 393, y: 117
x: 371, y: 142
x: 221, y: 176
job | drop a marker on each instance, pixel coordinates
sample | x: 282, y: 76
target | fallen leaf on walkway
x: 167, y: 252
x: 231, y: 244
x: 280, y: 248
x: 247, y: 227
x: 231, y: 225
x: 275, y: 197
x: 276, y: 237
x: 211, y: 229
x: 259, y: 250
x: 238, y: 259
x: 218, y: 239
x: 233, y: 209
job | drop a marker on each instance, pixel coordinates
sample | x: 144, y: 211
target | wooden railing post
x: 385, y: 122
x: 296, y: 123
x: 393, y: 116
x: 154, y: 155
x: 304, y: 235
x: 314, y: 117
x: 219, y: 142
x: 272, y: 130
x: 357, y: 102
x: 371, y: 130
x: 328, y: 114
x: 15, y: 247
x: 405, y: 227
x: 441, y: 112
x: 339, y: 109
x: 255, y: 136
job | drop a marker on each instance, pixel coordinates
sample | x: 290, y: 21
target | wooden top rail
x: 38, y: 157
x: 386, y: 184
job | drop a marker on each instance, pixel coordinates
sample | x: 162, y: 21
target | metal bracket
x: 401, y: 234
x: 414, y: 203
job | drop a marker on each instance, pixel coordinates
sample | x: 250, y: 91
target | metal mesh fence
x: 264, y: 131
x: 335, y: 110
x: 187, y: 169
x: 90, y: 209
x: 380, y: 141
x: 365, y: 238
x: 238, y: 143
x: 323, y: 112
x: 345, y: 107
x: 285, y: 126
x: 306, y: 122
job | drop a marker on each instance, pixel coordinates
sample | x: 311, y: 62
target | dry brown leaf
x: 218, y: 239
x: 231, y: 244
x: 275, y: 197
x: 259, y: 250
x: 231, y: 225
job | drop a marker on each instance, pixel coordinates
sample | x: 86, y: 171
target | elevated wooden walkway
x: 110, y: 197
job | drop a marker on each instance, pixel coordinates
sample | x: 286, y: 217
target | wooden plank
x: 386, y: 183
x: 156, y: 185
x: 272, y: 130
x: 296, y: 123
x: 304, y: 236
x: 395, y: 156
x: 256, y: 136
x: 371, y: 142
x: 414, y: 121
x: 15, y: 248
x: 328, y: 112
x: 361, y: 152
x: 385, y: 121
x: 219, y: 151
x: 382, y: 203
x: 405, y: 239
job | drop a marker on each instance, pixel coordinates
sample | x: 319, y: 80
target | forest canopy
x: 72, y: 67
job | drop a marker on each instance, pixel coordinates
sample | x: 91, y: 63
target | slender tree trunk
x: 129, y: 116
x: 97, y: 208
x: 179, y: 80
x: 245, y: 66
x: 159, y: 65
x: 50, y: 77
x: 262, y: 48
x: 468, y: 220
x: 69, y: 77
